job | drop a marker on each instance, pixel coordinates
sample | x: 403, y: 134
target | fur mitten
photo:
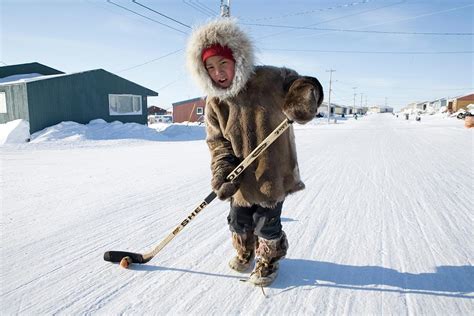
x: 304, y: 97
x: 224, y: 188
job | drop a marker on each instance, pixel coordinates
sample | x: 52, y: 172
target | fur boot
x: 269, y: 252
x: 245, y: 246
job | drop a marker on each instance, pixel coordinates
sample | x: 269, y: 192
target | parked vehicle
x: 164, y: 118
x: 462, y: 115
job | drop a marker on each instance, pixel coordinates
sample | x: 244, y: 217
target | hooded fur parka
x: 240, y: 117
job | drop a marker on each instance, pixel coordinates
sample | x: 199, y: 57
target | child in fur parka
x: 244, y: 104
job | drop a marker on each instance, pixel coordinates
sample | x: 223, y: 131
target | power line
x: 369, y: 52
x: 150, y: 61
x: 439, y: 89
x: 398, y: 20
x: 192, y: 5
x: 358, y: 31
x: 312, y: 11
x: 163, y: 15
x: 144, y: 16
x: 170, y: 83
x: 205, y: 7
x: 338, y: 18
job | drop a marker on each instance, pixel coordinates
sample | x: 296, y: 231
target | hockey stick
x: 117, y: 256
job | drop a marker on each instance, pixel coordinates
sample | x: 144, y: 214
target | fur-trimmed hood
x: 223, y: 31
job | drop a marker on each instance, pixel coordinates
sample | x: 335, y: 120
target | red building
x: 191, y: 110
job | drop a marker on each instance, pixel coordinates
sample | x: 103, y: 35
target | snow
x: 19, y: 78
x: 384, y: 226
x: 14, y: 132
x: 71, y: 132
x: 22, y: 78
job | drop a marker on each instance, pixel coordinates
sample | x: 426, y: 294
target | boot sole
x: 241, y: 270
x: 263, y: 281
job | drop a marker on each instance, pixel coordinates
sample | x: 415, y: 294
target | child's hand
x: 224, y: 189
x: 303, y: 99
x: 227, y: 190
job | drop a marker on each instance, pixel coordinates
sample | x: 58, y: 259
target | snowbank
x: 14, y: 132
x: 101, y: 130
x: 19, y: 77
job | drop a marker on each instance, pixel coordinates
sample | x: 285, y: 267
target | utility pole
x: 225, y: 9
x: 330, y: 83
x: 354, y: 106
x: 361, y: 95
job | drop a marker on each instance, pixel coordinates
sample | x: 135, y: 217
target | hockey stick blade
x: 117, y: 256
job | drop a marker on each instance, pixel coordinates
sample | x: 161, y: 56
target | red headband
x: 216, y: 50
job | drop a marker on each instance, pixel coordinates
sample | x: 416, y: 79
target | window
x: 125, y: 104
x: 3, y: 102
x: 199, y: 110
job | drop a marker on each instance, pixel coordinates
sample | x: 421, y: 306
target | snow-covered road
x: 384, y: 226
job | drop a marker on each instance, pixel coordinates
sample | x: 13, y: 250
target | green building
x: 44, y: 96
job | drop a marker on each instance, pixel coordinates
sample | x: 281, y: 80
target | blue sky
x: 395, y: 68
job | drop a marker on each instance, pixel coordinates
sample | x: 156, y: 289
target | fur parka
x: 243, y: 115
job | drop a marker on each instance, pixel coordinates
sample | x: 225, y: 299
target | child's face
x: 221, y: 70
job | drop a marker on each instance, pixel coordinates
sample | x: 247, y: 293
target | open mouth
x: 223, y: 83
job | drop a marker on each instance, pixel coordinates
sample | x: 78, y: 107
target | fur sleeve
x: 223, y: 159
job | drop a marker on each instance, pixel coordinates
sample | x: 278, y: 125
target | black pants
x: 264, y: 222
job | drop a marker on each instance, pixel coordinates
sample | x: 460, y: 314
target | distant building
x: 44, y: 96
x: 458, y: 103
x: 154, y: 110
x: 380, y: 109
x: 191, y: 110
x: 374, y: 109
x: 339, y: 109
x: 422, y: 106
x: 436, y: 105
x: 323, y: 109
x: 409, y: 107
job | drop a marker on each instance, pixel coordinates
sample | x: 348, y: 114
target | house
x: 409, y: 107
x: 44, y: 96
x: 461, y: 102
x: 374, y: 109
x: 422, y: 106
x: 338, y: 109
x: 191, y: 110
x: 154, y: 110
x: 436, y: 105
x: 380, y: 109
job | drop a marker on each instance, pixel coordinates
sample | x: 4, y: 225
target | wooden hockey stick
x: 117, y: 256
